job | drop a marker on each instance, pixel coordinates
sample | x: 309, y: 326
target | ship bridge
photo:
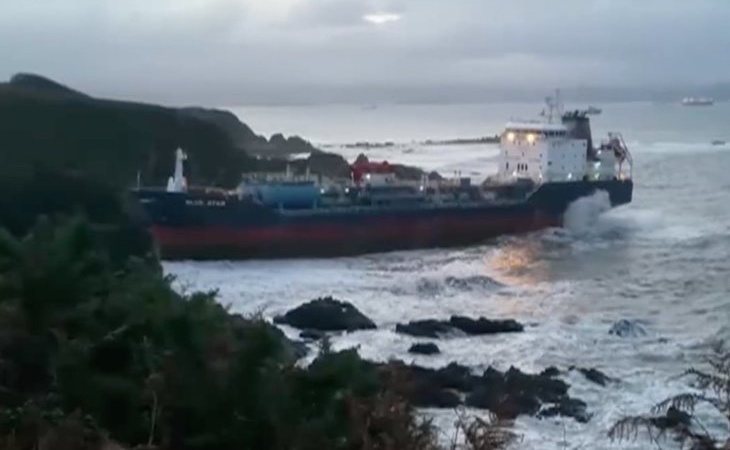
x: 541, y: 151
x: 559, y: 148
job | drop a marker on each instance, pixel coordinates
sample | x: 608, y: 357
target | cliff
x: 44, y: 124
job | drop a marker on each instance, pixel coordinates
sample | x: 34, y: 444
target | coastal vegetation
x: 96, y: 348
x: 99, y: 352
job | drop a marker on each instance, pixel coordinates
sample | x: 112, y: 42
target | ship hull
x: 190, y: 227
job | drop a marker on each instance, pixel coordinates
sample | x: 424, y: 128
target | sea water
x: 664, y: 260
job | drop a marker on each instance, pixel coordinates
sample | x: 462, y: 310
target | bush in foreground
x: 95, y: 351
x: 676, y: 416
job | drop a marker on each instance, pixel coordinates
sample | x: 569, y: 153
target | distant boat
x: 369, y: 107
x: 593, y: 110
x: 718, y: 142
x: 698, y: 101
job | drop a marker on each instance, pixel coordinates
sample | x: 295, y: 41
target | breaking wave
x: 583, y: 213
x: 452, y: 285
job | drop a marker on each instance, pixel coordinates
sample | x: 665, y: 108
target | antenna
x: 554, y: 106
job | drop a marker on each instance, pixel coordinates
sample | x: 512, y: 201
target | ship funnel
x: 579, y: 127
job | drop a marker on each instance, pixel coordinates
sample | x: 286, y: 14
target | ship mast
x: 555, y: 106
x: 177, y: 182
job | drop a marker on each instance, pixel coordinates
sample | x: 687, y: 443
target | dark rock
x: 627, y: 328
x: 429, y: 328
x: 551, y: 371
x: 312, y: 335
x: 547, y: 389
x: 456, y: 376
x: 595, y: 375
x: 433, y: 328
x: 568, y: 407
x: 514, y: 393
x: 507, y: 394
x: 438, y: 388
x: 326, y: 314
x: 424, y: 348
x: 485, y: 326
x: 673, y: 418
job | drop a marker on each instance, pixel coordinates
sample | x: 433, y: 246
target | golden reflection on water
x: 518, y: 263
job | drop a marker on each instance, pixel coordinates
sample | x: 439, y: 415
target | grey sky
x: 234, y: 51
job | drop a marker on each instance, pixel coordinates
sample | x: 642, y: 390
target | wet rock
x: 424, y: 348
x: 326, y: 314
x: 485, y: 326
x: 568, y: 407
x: 433, y: 328
x: 455, y: 376
x: 507, y: 394
x: 429, y: 328
x: 627, y: 328
x: 593, y: 375
x: 551, y: 371
x: 514, y: 393
x: 312, y: 335
x: 673, y: 418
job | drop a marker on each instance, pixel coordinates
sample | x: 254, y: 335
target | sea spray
x: 582, y: 214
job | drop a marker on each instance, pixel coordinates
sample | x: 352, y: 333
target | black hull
x: 188, y: 226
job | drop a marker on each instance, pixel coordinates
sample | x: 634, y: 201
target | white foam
x: 583, y: 213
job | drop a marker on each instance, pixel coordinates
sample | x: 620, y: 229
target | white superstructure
x: 541, y: 152
x: 559, y: 149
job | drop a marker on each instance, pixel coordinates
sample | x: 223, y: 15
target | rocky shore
x: 508, y: 394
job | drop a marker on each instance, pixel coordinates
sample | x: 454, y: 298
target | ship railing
x: 625, y: 160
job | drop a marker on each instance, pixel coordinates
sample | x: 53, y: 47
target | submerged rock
x: 433, y: 328
x: 595, y: 375
x: 627, y: 328
x: 424, y: 348
x: 429, y: 328
x: 570, y: 407
x: 471, y: 283
x: 326, y: 314
x: 312, y: 335
x: 485, y: 326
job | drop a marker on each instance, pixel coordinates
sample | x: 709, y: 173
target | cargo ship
x: 544, y: 166
x: 698, y: 101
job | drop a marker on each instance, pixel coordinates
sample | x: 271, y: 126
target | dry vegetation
x: 675, y: 417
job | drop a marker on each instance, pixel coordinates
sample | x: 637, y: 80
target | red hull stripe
x: 305, y: 238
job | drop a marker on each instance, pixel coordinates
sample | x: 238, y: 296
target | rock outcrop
x: 507, y: 394
x: 432, y: 328
x: 326, y: 314
x: 424, y: 348
x: 628, y: 328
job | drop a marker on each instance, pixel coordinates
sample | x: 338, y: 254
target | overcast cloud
x: 237, y: 51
